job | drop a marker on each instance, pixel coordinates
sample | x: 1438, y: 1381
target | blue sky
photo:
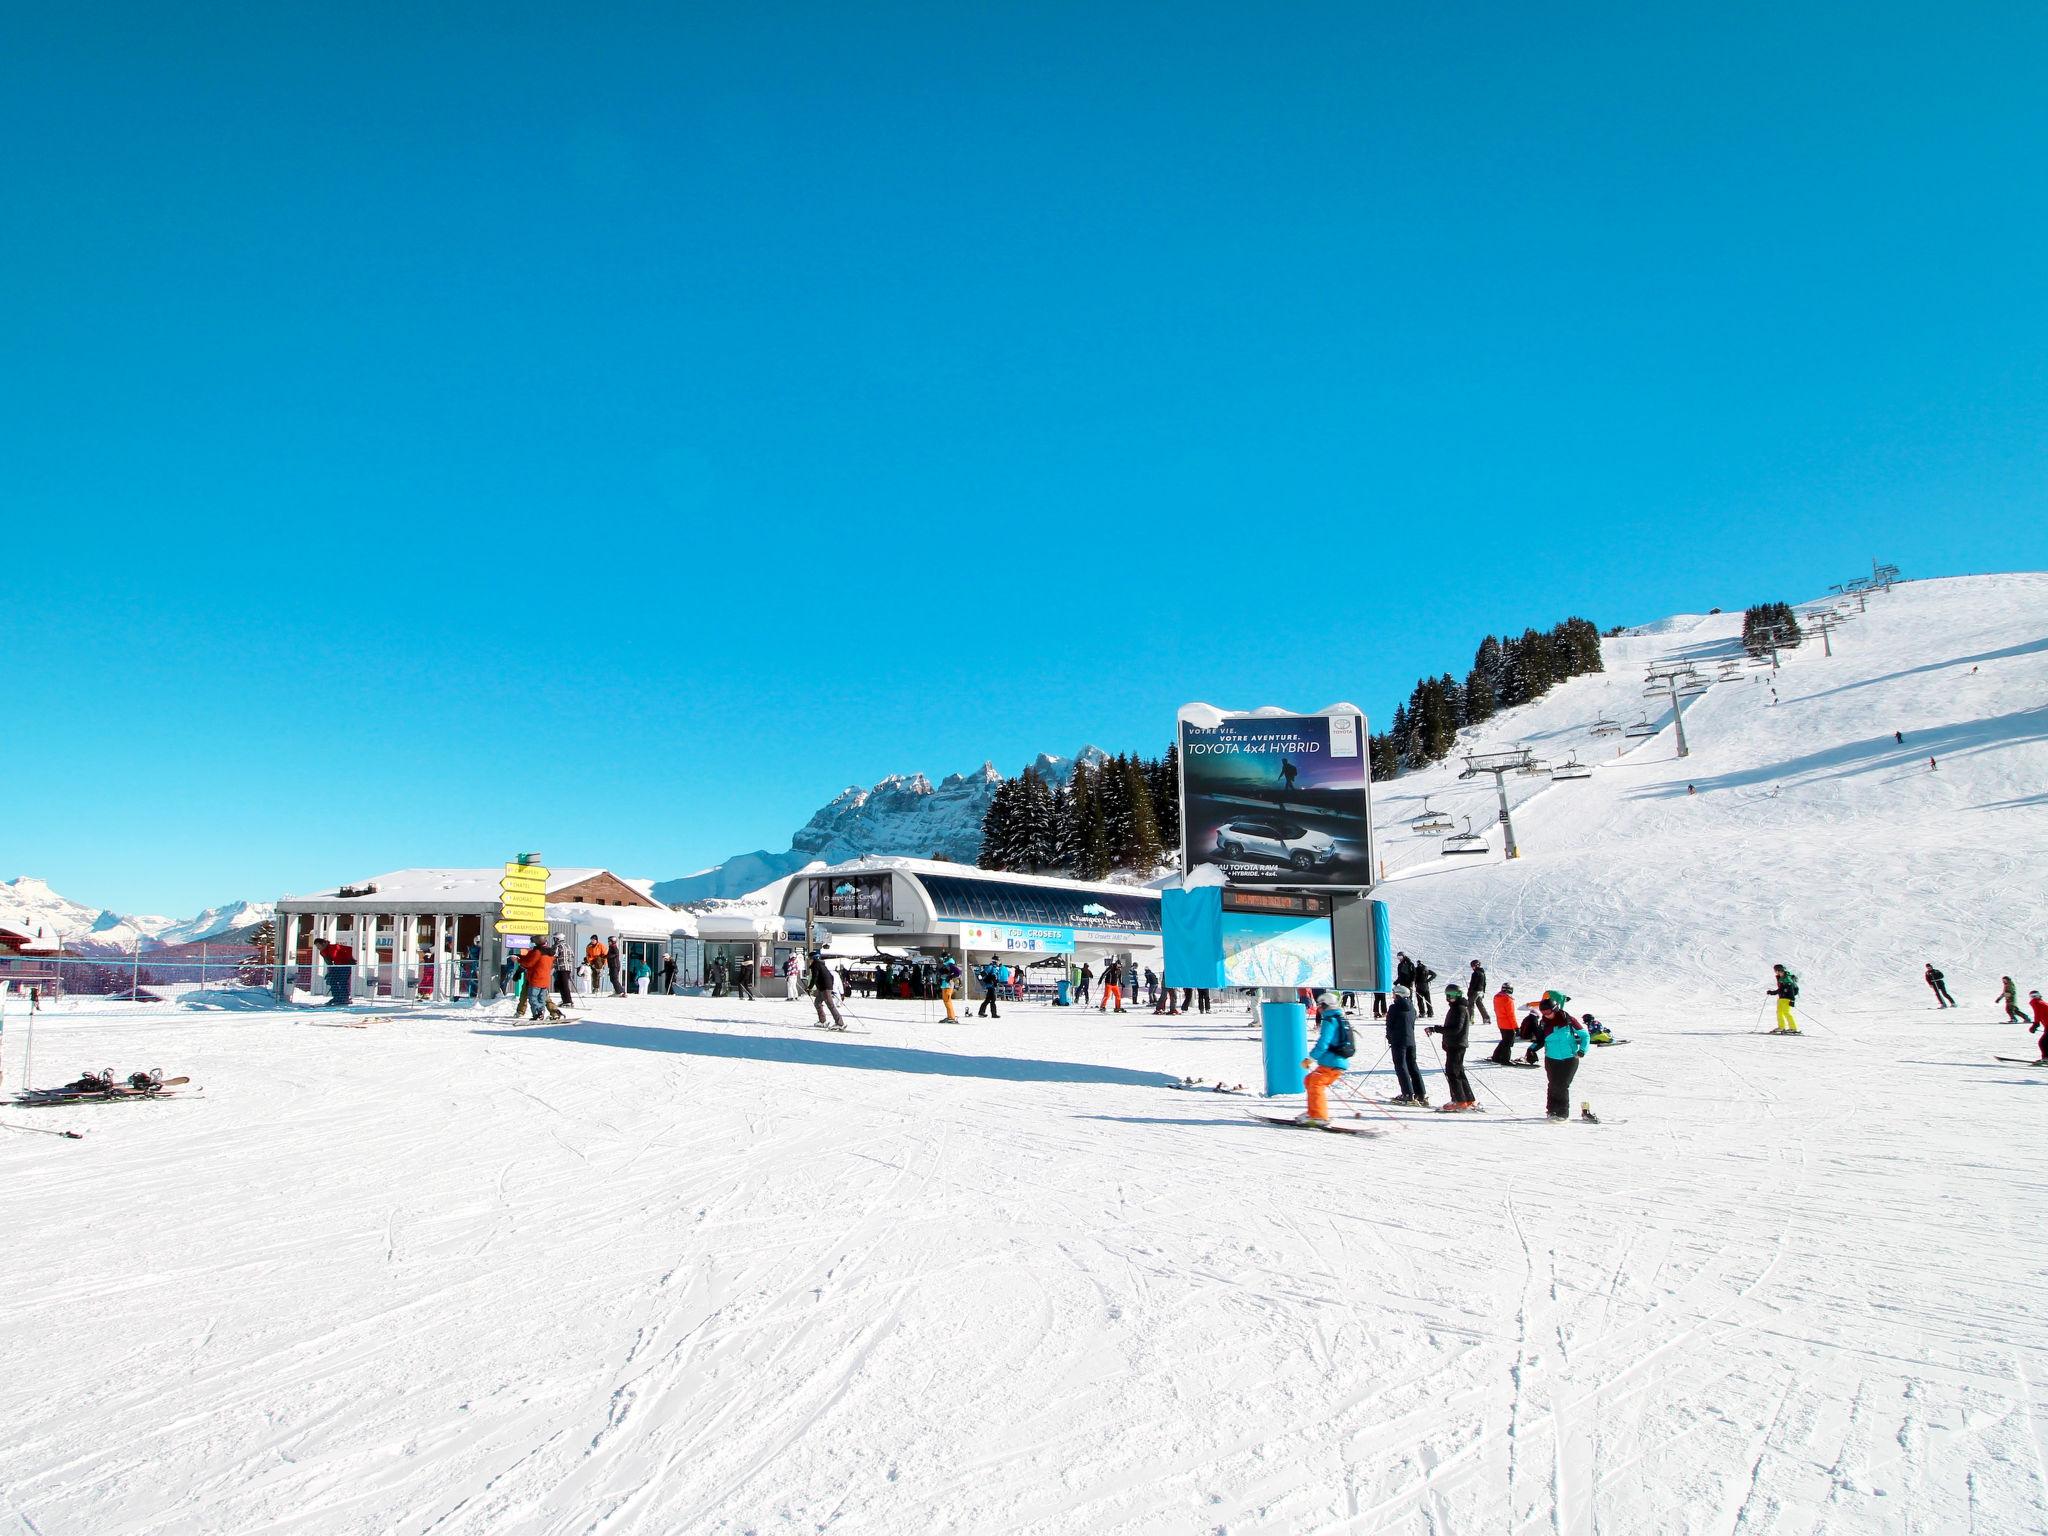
x: 428, y: 432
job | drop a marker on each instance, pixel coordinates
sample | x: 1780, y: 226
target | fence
x: 141, y: 978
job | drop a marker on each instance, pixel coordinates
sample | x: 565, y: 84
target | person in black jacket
x: 1475, y: 989
x: 1939, y: 986
x: 1404, y: 970
x: 1425, y: 1005
x: 1455, y: 1030
x: 1401, y: 1046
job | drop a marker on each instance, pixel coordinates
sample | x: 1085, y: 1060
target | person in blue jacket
x: 1324, y: 1064
x: 1564, y: 1046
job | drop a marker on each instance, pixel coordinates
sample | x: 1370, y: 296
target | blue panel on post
x: 1191, y: 924
x: 1382, y: 948
x: 1286, y: 1041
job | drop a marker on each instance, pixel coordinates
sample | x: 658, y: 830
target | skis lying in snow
x: 2024, y: 1061
x: 1197, y: 1085
x: 1303, y: 1125
x: 102, y: 1089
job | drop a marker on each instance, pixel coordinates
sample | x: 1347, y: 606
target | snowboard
x: 120, y: 1093
x: 1341, y: 1130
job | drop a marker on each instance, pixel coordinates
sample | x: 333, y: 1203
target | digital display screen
x: 1265, y: 949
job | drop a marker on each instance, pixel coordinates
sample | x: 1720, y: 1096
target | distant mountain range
x: 101, y: 930
x: 903, y: 815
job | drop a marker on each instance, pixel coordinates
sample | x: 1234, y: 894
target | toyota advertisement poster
x: 1277, y: 800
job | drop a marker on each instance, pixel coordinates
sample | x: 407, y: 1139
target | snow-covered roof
x: 875, y: 863
x: 431, y: 889
x: 627, y: 922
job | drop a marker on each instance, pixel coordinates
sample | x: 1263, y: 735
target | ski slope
x: 688, y: 1265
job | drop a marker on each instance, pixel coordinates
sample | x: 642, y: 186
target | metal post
x: 135, y: 975
x: 1507, y: 820
x: 1678, y: 718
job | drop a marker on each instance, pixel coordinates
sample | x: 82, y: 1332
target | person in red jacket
x: 1504, y: 1021
x: 2039, y: 1010
x: 341, y: 970
x: 539, y: 965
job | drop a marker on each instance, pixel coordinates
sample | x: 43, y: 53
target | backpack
x: 1345, y: 1044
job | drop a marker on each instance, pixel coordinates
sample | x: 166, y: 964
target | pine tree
x: 1141, y: 853
x: 1035, y: 836
x: 998, y: 827
x: 1113, y: 797
x: 1164, y: 776
x: 1065, y: 847
x: 1482, y: 683
x: 1091, y: 836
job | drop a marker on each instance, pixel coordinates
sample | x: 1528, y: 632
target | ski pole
x: 42, y: 1130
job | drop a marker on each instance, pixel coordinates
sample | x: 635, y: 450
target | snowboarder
x: 1787, y: 993
x: 1401, y: 1045
x: 2008, y: 998
x: 1597, y: 1032
x: 822, y: 988
x: 1327, y: 1058
x: 1425, y: 1005
x: 2040, y: 1024
x: 1452, y: 1034
x: 1504, y: 1022
x: 1939, y: 985
x: 1564, y: 1045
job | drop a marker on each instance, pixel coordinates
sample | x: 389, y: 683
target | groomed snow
x: 691, y: 1266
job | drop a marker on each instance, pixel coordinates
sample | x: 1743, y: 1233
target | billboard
x: 1276, y: 800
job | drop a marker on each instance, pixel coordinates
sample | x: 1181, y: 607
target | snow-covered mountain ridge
x: 903, y: 814
x: 87, y: 929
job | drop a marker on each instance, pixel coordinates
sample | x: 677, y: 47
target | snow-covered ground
x: 690, y: 1266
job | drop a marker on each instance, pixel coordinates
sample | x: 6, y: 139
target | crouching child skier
x: 1327, y: 1058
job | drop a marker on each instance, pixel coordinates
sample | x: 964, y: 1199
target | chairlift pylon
x: 1466, y: 841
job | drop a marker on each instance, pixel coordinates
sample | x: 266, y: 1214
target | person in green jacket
x: 2009, y: 999
x: 1787, y: 993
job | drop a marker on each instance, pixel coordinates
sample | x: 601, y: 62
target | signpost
x: 523, y: 897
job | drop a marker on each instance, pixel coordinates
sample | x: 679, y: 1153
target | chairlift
x: 1572, y: 768
x: 1431, y: 823
x: 1466, y: 841
x: 1641, y: 729
x: 1605, y: 727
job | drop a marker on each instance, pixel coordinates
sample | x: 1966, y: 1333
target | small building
x: 927, y: 907
x: 432, y: 933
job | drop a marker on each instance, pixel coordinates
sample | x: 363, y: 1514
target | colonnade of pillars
x: 440, y: 970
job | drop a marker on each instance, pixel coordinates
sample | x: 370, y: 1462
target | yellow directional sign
x: 523, y: 893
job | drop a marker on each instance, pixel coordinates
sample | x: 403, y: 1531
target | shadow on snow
x: 836, y: 1053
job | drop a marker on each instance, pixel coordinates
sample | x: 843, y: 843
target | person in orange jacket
x: 593, y: 956
x: 1504, y: 1021
x: 539, y: 965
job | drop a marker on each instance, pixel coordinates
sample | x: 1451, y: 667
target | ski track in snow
x: 449, y: 1277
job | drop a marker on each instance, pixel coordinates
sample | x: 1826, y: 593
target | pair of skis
x: 103, y: 1088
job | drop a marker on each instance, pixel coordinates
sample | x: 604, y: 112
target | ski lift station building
x: 929, y: 907
x: 445, y: 911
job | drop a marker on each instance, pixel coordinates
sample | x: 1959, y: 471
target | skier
x: 2008, y: 997
x: 1112, y: 986
x: 1327, y: 1058
x: 1401, y: 1045
x: 1564, y: 1044
x: 822, y: 988
x: 1087, y: 979
x: 1504, y: 1022
x: 1787, y: 993
x: 1939, y: 986
x: 2040, y: 1024
x: 538, y: 963
x: 1404, y: 970
x: 1452, y: 1034
x: 562, y: 989
x: 1475, y: 988
x: 1425, y: 1005
x: 991, y: 978
x: 1899, y: 737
